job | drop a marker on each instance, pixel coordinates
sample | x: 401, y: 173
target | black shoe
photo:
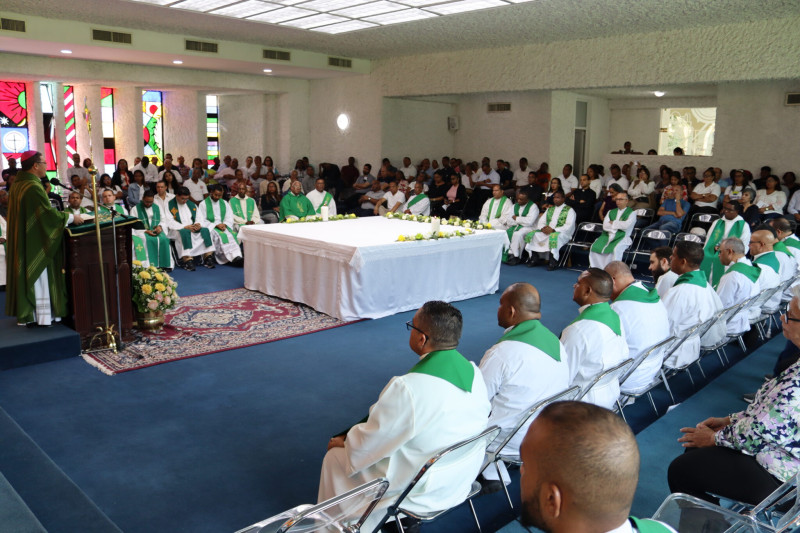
x: 410, y: 525
x: 512, y: 261
x: 552, y: 266
x: 238, y: 262
x: 167, y: 270
x: 489, y: 486
x: 208, y: 262
x: 768, y: 377
x: 749, y: 398
x: 186, y: 265
x: 533, y: 262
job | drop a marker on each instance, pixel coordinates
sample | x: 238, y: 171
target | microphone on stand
x: 55, y: 181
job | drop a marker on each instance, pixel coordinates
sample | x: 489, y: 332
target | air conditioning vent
x: 200, y: 46
x: 280, y: 55
x: 12, y: 25
x: 112, y: 36
x: 498, y: 107
x: 452, y: 123
x: 792, y: 98
x: 340, y: 62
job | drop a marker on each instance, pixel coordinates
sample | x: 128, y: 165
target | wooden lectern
x: 83, y: 266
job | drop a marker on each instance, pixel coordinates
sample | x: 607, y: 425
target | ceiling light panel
x: 330, y: 5
x: 465, y: 5
x: 406, y: 15
x: 283, y: 14
x: 201, y: 5
x: 419, y: 3
x: 370, y: 9
x: 307, y: 23
x: 344, y: 27
x: 245, y: 9
x: 155, y: 2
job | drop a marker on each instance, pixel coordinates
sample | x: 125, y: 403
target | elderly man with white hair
x: 738, y: 283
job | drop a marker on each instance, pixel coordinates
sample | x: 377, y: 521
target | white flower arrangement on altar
x: 433, y: 236
x: 316, y: 218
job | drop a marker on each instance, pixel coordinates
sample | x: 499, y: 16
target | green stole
x: 768, y: 259
x: 711, y: 264
x: 648, y: 526
x: 548, y: 217
x: 295, y: 205
x: 448, y: 365
x: 526, y: 209
x: 605, y: 246
x: 637, y: 294
x: 81, y: 211
x: 499, y: 208
x: 748, y: 271
x: 792, y: 242
x: 326, y: 200
x: 601, y: 312
x: 35, y: 236
x: 780, y: 246
x: 694, y: 277
x: 117, y: 208
x: 186, y: 235
x: 416, y: 199
x: 223, y: 210
x: 237, y: 207
x: 158, y: 245
x: 533, y: 333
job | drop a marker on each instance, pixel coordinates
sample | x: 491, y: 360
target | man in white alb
x: 618, y: 225
x: 153, y: 237
x: 660, y: 259
x: 523, y: 217
x: 773, y: 272
x: 245, y: 211
x: 418, y: 203
x: 553, y: 230
x: 739, y: 283
x: 216, y: 215
x: 191, y: 239
x: 319, y: 197
x: 497, y: 210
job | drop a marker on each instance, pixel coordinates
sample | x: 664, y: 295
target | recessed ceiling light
x: 343, y: 121
x: 177, y: 62
x: 65, y: 51
x: 267, y: 70
x: 659, y: 94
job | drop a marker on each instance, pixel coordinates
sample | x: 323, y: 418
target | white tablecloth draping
x: 355, y: 269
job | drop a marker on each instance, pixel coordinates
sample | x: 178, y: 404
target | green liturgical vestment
x: 296, y: 205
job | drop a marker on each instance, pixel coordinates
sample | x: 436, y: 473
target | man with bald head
x: 595, y: 340
x: 526, y: 365
x: 580, y: 467
x: 689, y: 302
x: 644, y: 320
x: 762, y: 243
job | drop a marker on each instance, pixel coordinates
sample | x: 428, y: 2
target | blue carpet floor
x: 215, y: 443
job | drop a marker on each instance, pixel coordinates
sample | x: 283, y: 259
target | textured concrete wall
x: 185, y: 124
x: 242, y: 119
x: 89, y: 95
x: 128, y: 126
x: 416, y: 129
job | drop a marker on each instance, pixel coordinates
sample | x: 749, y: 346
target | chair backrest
x: 772, y: 505
x: 704, y: 218
x: 689, y: 237
x: 607, y: 376
x: 653, y: 352
x: 687, y: 513
x: 337, y: 514
x: 587, y: 232
x: 658, y: 234
x: 683, y: 337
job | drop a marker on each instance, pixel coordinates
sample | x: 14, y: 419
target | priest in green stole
x: 154, y: 237
x: 523, y: 217
x: 440, y: 401
x: 730, y: 225
x: 739, y: 283
x: 191, y: 239
x: 75, y: 204
x: 245, y: 212
x: 320, y: 197
x: 294, y: 204
x: 553, y: 231
x: 36, y: 291
x: 788, y: 244
x: 109, y: 204
x: 761, y: 250
x: 496, y: 210
x: 618, y: 225
x: 216, y: 215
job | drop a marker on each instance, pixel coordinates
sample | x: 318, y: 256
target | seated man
x: 109, y: 203
x: 689, y: 302
x: 153, y: 249
x: 595, y: 341
x: 191, y: 239
x: 787, y: 249
x: 496, y: 210
x: 739, y: 283
x: 580, y: 471
x: 618, y: 225
x: 730, y: 225
x: 441, y: 401
x: 216, y: 215
x: 418, y: 203
x: 528, y: 364
x: 553, y: 230
x: 392, y: 200
x: 198, y: 190
x: 644, y: 320
x: 762, y: 242
x: 319, y: 197
x: 660, y: 259
x: 245, y: 211
x: 81, y: 186
x: 295, y: 204
x: 671, y: 213
x: 75, y: 204
x: 523, y: 217
x: 369, y: 201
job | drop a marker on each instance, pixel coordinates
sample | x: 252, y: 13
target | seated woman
x: 772, y: 200
x: 270, y: 203
x: 555, y: 186
x: 746, y: 455
x: 437, y: 193
x: 750, y: 212
x: 106, y: 183
x: 609, y: 202
x: 733, y: 192
x: 642, y: 189
x: 455, y: 198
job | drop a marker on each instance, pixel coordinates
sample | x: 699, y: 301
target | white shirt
x: 410, y: 172
x: 568, y: 183
x: 665, y: 283
x: 777, y: 200
x: 622, y: 182
x: 150, y: 173
x: 423, y: 207
x: 645, y: 324
x: 701, y: 188
x: 794, y: 204
x: 78, y: 171
x: 597, y: 186
x: 733, y: 289
x: 520, y: 177
x: 504, y: 220
x: 163, y: 204
x: 316, y: 198
x: 197, y: 191
x: 175, y: 173
x: 492, y: 176
x: 591, y: 348
x: 641, y: 189
x: 394, y: 199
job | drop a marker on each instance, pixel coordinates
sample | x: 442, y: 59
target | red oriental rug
x: 215, y: 322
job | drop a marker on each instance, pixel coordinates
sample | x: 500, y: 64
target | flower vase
x: 150, y: 321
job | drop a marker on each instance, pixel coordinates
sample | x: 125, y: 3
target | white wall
x: 416, y: 129
x: 242, y: 125
x: 128, y: 123
x: 184, y: 124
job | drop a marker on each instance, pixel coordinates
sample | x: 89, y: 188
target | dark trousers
x: 787, y: 358
x: 721, y: 471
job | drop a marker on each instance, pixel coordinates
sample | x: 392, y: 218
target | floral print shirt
x: 769, y: 429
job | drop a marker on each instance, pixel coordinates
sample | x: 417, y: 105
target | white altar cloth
x: 353, y: 269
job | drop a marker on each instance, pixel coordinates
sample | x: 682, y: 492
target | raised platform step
x: 50, y: 495
x: 14, y: 514
x: 20, y: 346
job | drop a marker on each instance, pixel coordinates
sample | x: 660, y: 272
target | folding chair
x: 719, y: 346
x: 452, y: 457
x: 703, y: 220
x: 697, y: 330
x: 645, y: 244
x: 687, y: 513
x: 606, y: 377
x: 691, y: 237
x: 336, y: 514
x: 654, y: 352
x: 644, y: 217
x: 494, y: 454
x: 765, y: 313
x: 583, y: 238
x: 744, y: 307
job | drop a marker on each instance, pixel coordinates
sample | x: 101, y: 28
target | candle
x: 435, y: 224
x: 324, y: 212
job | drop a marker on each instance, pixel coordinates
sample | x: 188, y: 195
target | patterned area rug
x: 215, y: 322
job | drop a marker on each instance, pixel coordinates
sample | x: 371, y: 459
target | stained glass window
x: 69, y: 122
x: 691, y: 129
x: 49, y: 123
x: 212, y: 127
x: 153, y: 120
x: 13, y: 118
x: 107, y: 119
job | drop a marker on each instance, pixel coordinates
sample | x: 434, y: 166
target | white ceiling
x: 532, y: 22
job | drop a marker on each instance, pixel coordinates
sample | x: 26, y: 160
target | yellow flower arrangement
x: 160, y: 287
x: 144, y: 274
x: 159, y: 277
x: 158, y: 295
x: 147, y: 289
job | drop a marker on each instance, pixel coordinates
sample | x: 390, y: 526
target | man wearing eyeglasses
x: 442, y: 400
x: 37, y: 291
